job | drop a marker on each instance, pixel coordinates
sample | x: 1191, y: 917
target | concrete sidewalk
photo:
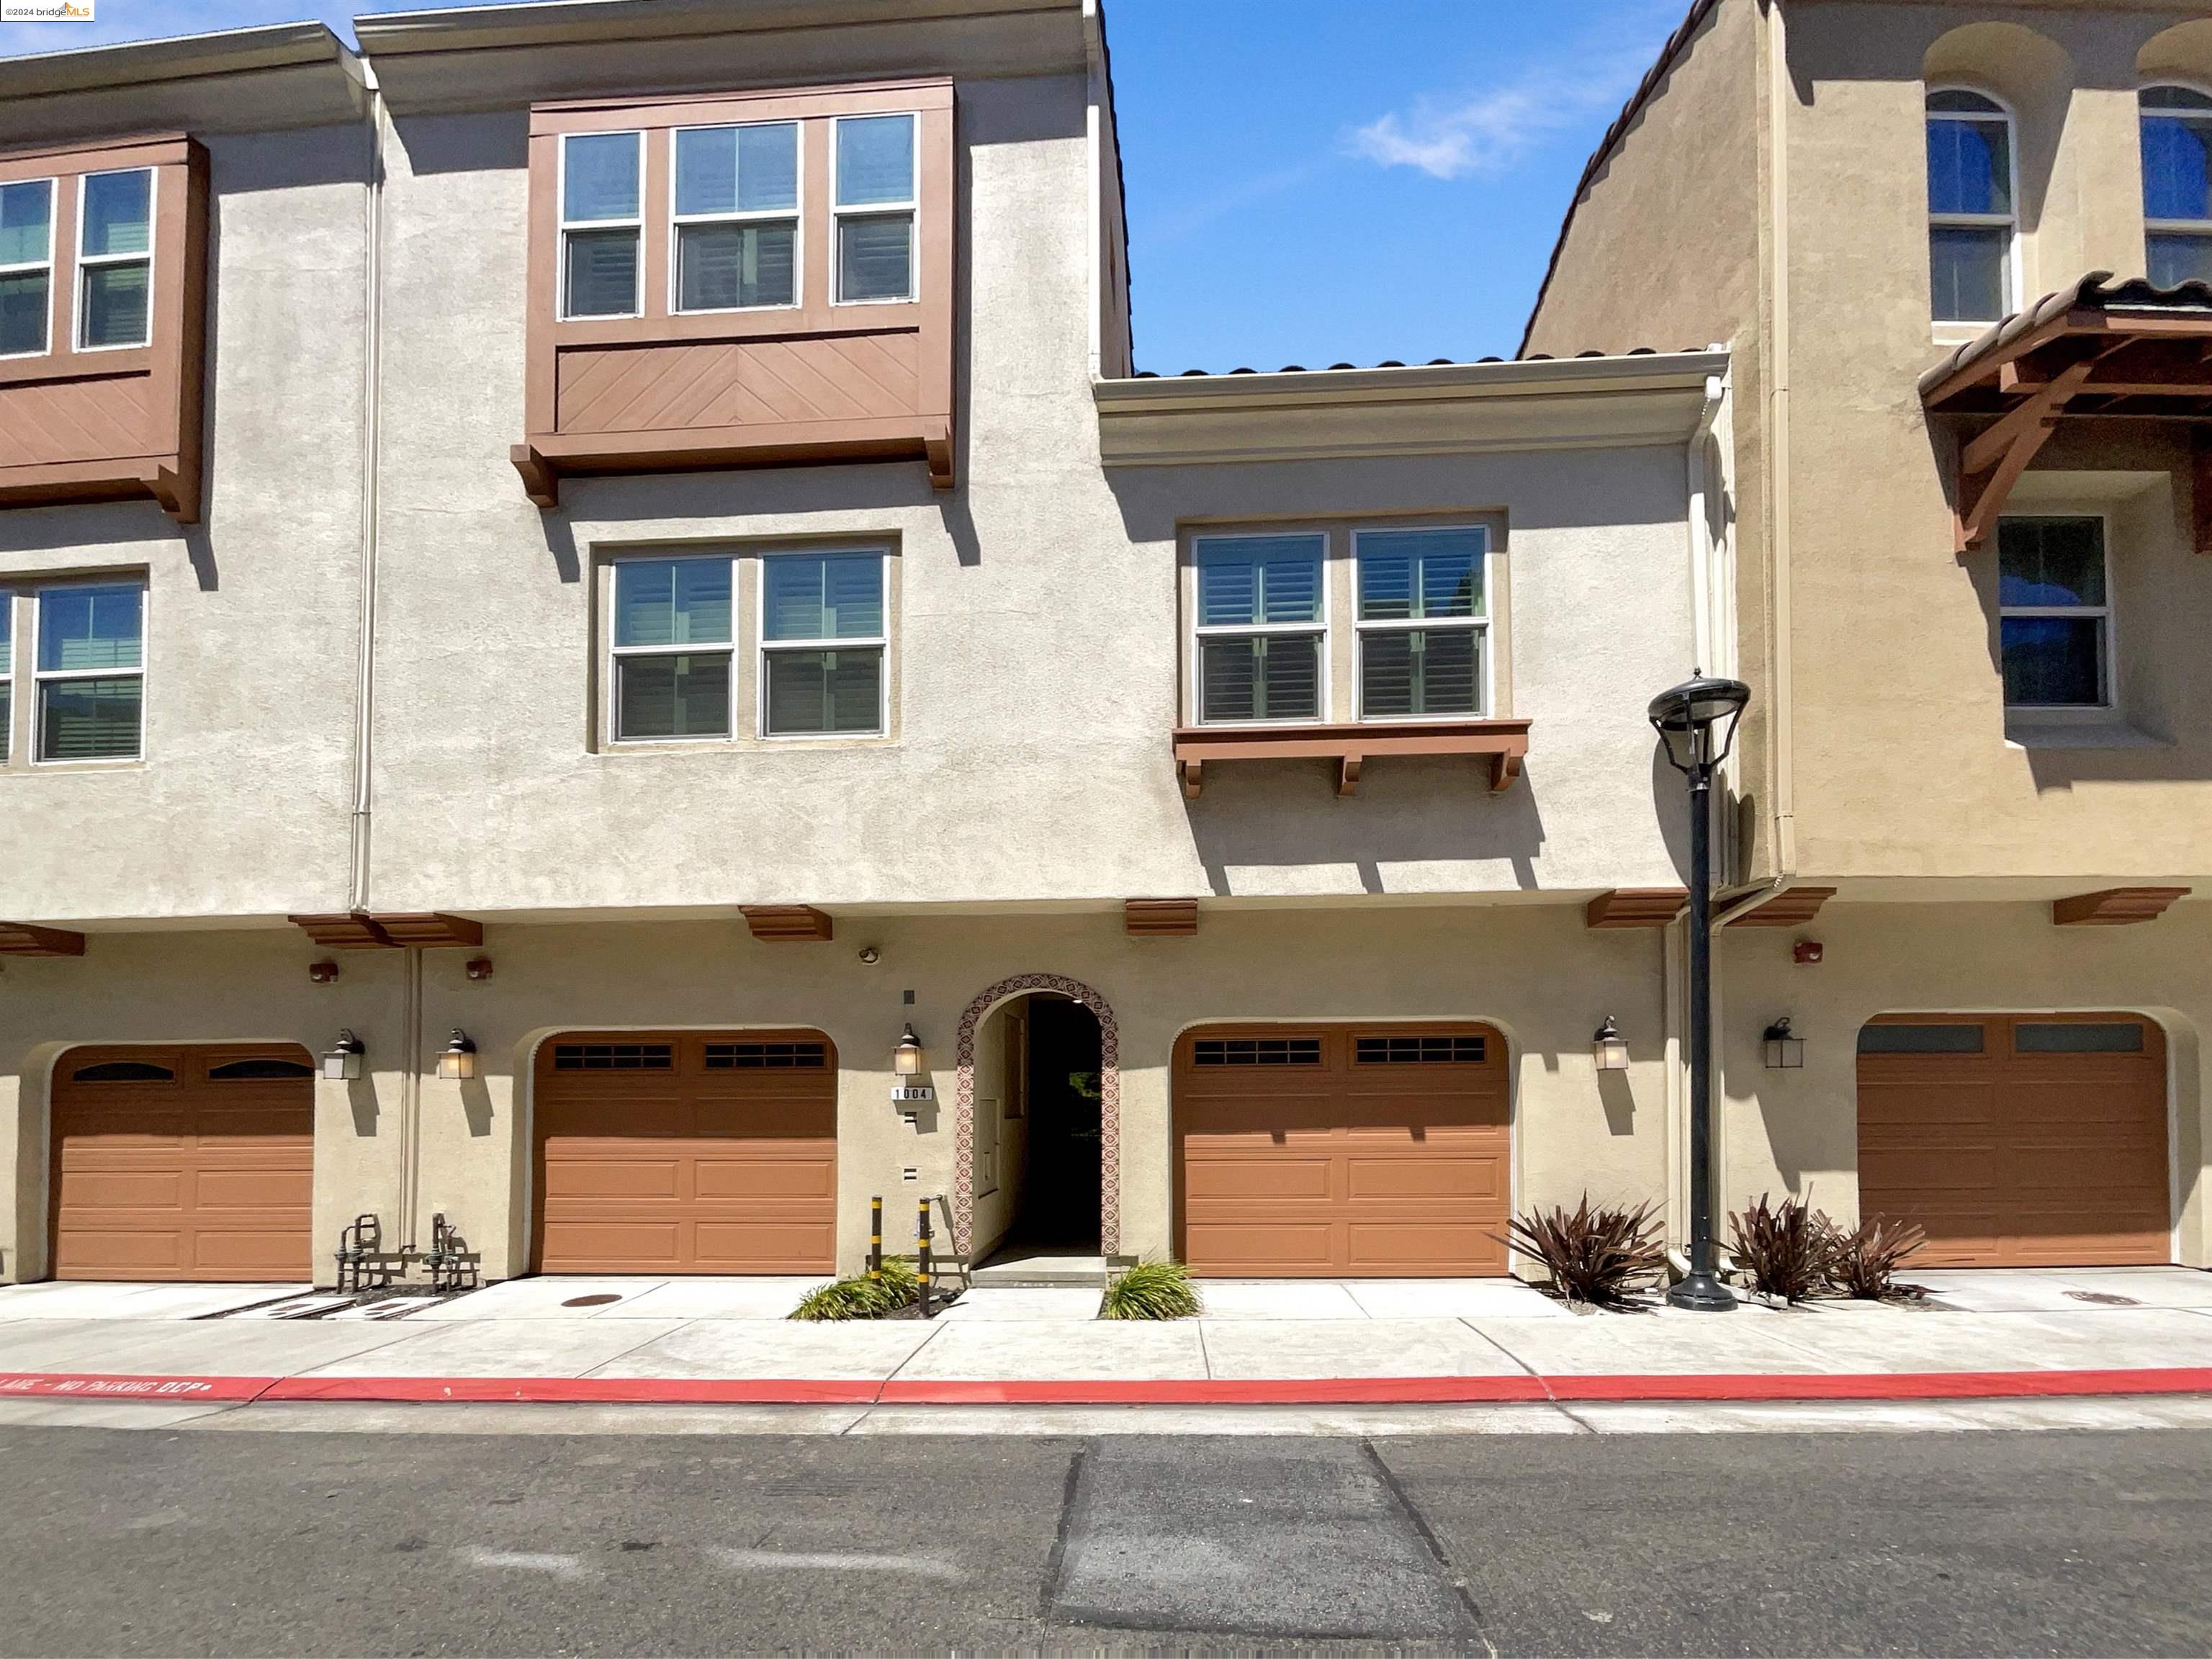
x: 1987, y: 1334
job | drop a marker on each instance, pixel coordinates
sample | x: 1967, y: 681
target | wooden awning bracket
x: 1501, y: 744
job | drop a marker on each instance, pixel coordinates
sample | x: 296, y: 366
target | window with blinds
x: 1262, y: 628
x: 90, y: 670
x: 1422, y: 623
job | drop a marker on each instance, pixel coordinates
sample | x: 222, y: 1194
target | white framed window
x: 115, y: 260
x: 672, y: 648
x: 876, y: 164
x: 27, y: 267
x: 1972, y: 212
x: 2177, y: 166
x: 736, y: 217
x: 602, y: 223
x: 1424, y: 622
x: 90, y: 670
x: 823, y: 645
x: 1261, y: 630
x: 2055, y: 613
x: 6, y: 675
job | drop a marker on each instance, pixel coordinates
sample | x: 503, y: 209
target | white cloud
x: 1491, y: 130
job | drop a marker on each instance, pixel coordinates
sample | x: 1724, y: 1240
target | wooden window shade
x: 768, y: 385
x: 103, y: 424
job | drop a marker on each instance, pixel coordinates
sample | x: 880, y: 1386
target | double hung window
x: 822, y: 643
x: 874, y: 204
x: 115, y: 260
x: 601, y: 226
x: 736, y: 216
x: 89, y: 671
x: 2055, y: 618
x: 26, y: 266
x: 1971, y: 212
x: 1262, y: 624
x: 1423, y: 621
x: 672, y: 648
x: 2177, y: 167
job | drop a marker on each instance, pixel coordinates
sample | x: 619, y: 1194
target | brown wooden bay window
x: 764, y: 278
x: 103, y: 310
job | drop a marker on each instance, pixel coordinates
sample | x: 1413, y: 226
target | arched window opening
x: 259, y: 1070
x: 123, y: 1071
x: 1972, y: 223
x: 2177, y: 166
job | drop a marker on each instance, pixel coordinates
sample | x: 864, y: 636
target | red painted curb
x: 1518, y: 1390
x: 580, y: 1390
x: 89, y: 1386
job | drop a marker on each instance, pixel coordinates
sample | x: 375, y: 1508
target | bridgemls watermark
x: 46, y: 11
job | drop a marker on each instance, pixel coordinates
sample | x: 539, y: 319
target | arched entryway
x: 1046, y: 988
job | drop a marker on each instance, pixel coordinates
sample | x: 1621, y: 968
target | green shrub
x: 1786, y: 1248
x: 1864, y: 1262
x: 1604, y: 1256
x: 863, y: 1297
x: 1150, y: 1290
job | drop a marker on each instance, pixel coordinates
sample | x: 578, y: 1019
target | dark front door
x: 1059, y: 1201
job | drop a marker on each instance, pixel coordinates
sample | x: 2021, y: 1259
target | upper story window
x: 822, y: 644
x: 2055, y: 613
x: 86, y: 669
x: 876, y: 199
x: 818, y: 639
x: 1971, y: 214
x: 1423, y: 622
x: 602, y: 228
x: 115, y: 260
x: 1262, y: 620
x: 26, y: 266
x: 736, y: 216
x: 2177, y: 167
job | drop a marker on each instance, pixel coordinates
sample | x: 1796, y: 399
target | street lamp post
x: 1697, y: 721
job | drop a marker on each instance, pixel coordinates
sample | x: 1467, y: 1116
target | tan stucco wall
x: 1798, y: 1131
x: 240, y: 806
x: 1533, y: 970
x: 1917, y: 777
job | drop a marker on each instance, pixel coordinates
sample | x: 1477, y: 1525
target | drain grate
x: 599, y: 1300
x: 2105, y: 1298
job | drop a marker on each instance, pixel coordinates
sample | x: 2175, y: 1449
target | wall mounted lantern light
x: 341, y: 1064
x: 906, y: 1059
x: 1609, y: 1047
x: 457, y: 1061
x: 1785, y: 1049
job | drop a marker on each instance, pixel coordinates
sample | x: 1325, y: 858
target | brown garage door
x: 184, y: 1163
x: 2018, y: 1140
x: 686, y: 1152
x: 1370, y: 1150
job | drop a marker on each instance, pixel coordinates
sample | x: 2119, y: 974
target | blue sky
x: 1309, y: 181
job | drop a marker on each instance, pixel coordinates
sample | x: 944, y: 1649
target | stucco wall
x: 1798, y: 1130
x: 1036, y: 639
x: 1532, y: 969
x: 240, y: 806
x: 1920, y: 779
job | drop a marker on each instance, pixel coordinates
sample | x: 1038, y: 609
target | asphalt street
x: 186, y: 1542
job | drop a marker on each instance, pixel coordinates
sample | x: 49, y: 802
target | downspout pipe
x: 371, y: 388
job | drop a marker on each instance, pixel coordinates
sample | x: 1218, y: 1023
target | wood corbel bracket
x: 1504, y: 769
x: 540, y: 481
x: 1347, y: 774
x: 1991, y: 464
x: 1193, y: 773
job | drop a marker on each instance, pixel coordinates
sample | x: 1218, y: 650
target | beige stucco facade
x: 1788, y: 139
x: 446, y: 748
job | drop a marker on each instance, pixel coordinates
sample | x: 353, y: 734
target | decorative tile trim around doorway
x: 1110, y: 1106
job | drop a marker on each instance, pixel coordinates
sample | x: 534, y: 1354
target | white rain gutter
x: 371, y: 388
x: 1782, y: 663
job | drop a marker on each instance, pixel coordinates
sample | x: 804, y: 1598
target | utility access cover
x: 1261, y: 1537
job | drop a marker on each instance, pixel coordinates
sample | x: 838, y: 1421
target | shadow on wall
x: 1287, y: 815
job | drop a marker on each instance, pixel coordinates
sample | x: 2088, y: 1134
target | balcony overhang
x: 1500, y: 745
x: 2096, y: 350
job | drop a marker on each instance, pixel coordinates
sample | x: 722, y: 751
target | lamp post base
x: 1702, y: 1293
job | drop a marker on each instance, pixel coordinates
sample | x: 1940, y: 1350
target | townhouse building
x: 1962, y: 253
x: 603, y: 643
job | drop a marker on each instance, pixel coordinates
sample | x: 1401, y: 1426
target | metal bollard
x: 875, y: 1238
x: 921, y: 1272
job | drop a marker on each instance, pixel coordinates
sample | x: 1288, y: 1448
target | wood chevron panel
x: 47, y: 420
x: 731, y: 383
